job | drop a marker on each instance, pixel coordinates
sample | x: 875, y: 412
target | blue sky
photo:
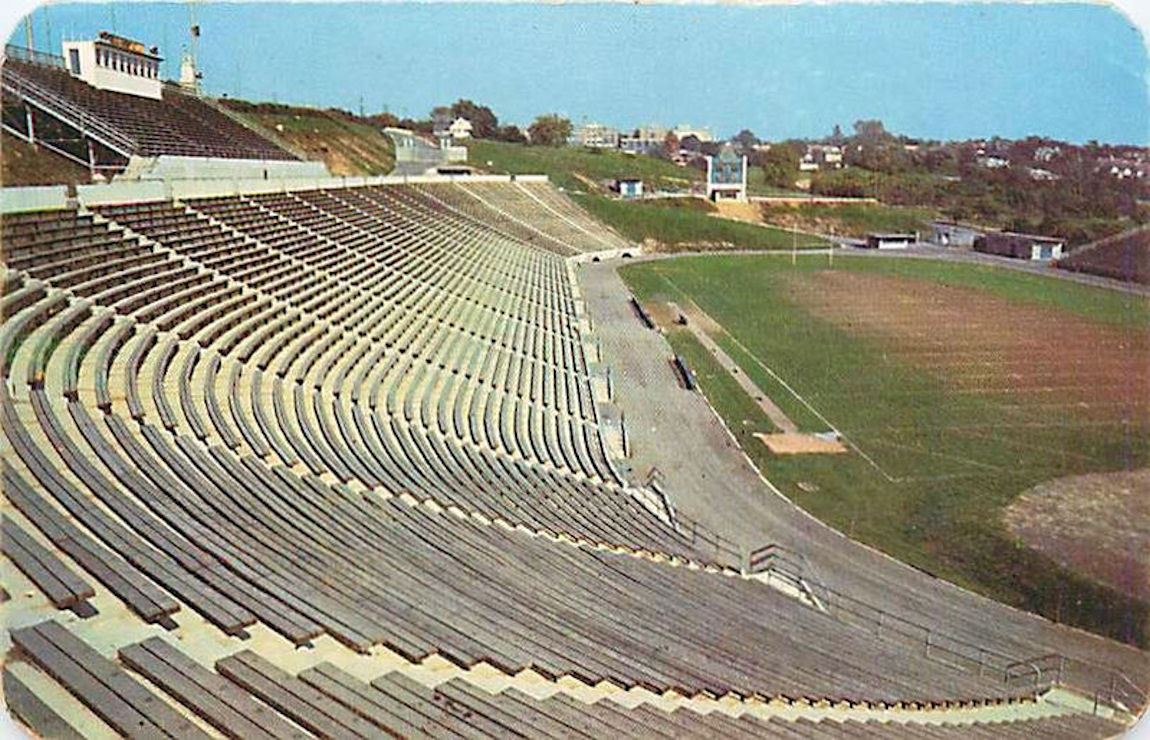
x: 947, y: 71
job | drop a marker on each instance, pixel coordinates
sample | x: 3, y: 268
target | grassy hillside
x: 24, y: 164
x: 947, y: 459
x: 347, y: 144
x: 686, y: 224
x: 849, y: 219
x: 572, y: 167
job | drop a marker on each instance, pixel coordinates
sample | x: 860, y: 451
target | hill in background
x: 348, y: 144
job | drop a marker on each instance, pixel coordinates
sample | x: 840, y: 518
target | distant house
x: 821, y: 156
x: 460, y: 128
x: 1020, y: 246
x: 1123, y: 169
x: 628, y: 187
x: 891, y: 241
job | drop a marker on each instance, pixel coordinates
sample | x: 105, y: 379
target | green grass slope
x: 680, y: 225
x: 566, y: 165
x: 347, y: 144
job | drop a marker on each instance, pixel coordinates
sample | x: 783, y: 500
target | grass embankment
x: 849, y: 219
x: 347, y: 144
x: 946, y: 463
x: 565, y: 165
x: 679, y: 224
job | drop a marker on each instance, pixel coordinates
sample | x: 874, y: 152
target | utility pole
x: 794, y: 244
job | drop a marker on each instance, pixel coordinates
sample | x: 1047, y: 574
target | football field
x: 957, y: 386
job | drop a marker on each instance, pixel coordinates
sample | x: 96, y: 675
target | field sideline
x: 961, y: 386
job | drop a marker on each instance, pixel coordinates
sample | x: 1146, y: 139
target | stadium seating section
x: 179, y: 124
x: 367, y: 414
x: 1122, y: 257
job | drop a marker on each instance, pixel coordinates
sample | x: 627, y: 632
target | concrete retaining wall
x: 33, y: 198
x: 14, y: 200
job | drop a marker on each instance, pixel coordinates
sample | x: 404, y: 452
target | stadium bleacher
x: 360, y: 419
x: 179, y: 124
x: 1123, y: 257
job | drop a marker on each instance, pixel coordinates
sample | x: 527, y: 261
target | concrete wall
x: 33, y: 198
x: 152, y: 190
x: 169, y: 167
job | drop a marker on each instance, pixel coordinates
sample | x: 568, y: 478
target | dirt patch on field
x: 800, y: 444
x: 1098, y: 525
x: 736, y: 210
x: 663, y: 313
x: 981, y: 344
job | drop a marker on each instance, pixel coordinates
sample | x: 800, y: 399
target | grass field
x: 850, y: 219
x: 687, y: 227
x: 952, y: 418
x: 562, y: 164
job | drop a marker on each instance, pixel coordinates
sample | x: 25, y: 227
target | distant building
x: 460, y: 128
x: 643, y: 140
x: 628, y: 187
x: 596, y: 136
x: 115, y: 63
x: 704, y: 134
x: 1123, y: 169
x: 1047, y: 153
x: 821, y: 156
x: 1020, y: 246
x: 727, y: 175
x: 891, y: 241
x: 993, y: 162
x: 951, y: 234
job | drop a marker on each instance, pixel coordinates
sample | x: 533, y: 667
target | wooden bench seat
x: 105, y: 688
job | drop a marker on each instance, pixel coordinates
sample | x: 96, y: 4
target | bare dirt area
x: 1097, y: 525
x: 736, y: 210
x: 800, y: 444
x: 1037, y: 360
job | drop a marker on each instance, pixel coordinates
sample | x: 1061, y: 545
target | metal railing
x: 67, y: 112
x: 22, y: 54
x: 700, y: 534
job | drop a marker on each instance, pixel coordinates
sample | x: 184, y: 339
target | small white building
x: 115, y: 63
x: 891, y: 241
x: 628, y: 187
x: 460, y: 128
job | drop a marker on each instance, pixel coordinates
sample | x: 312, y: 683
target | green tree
x: 510, y: 133
x: 781, y: 164
x: 549, y: 130
x: 745, y: 141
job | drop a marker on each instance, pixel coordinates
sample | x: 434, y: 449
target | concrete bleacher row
x: 213, y: 406
x: 179, y: 124
x: 454, y: 444
x: 532, y: 212
x: 246, y: 695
